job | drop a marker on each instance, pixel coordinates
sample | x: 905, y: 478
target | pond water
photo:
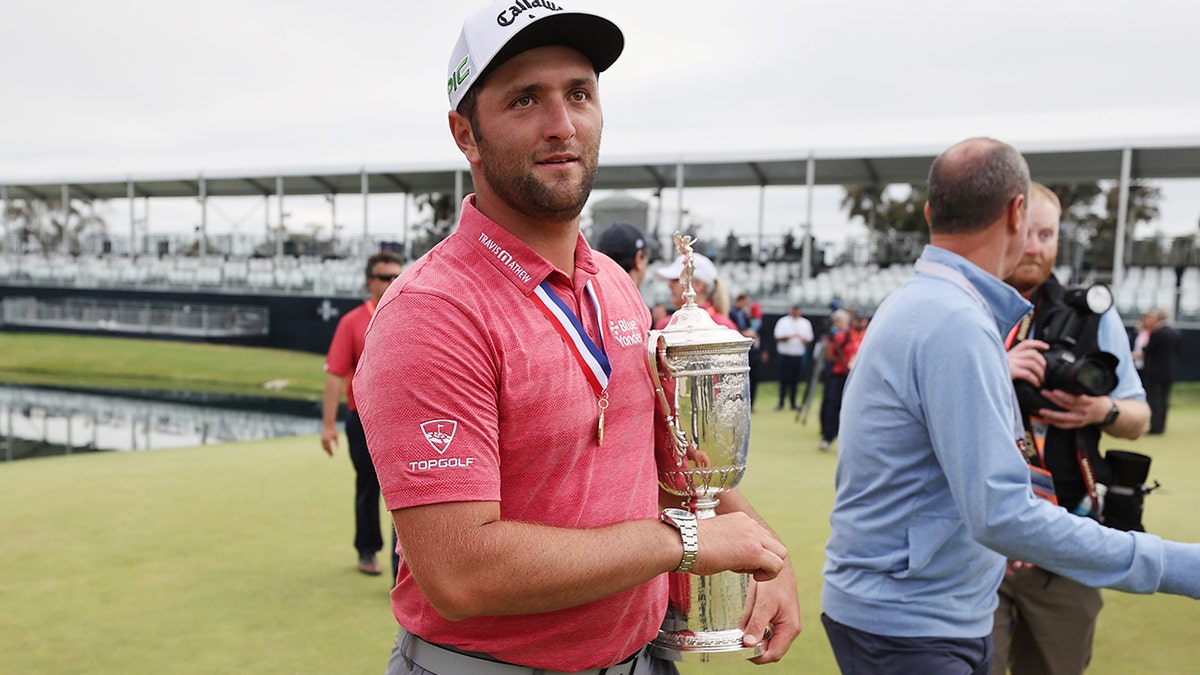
x: 37, y: 422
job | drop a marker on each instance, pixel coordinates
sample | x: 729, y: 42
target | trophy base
x: 703, y: 647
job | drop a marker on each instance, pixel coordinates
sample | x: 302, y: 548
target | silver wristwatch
x: 685, y: 522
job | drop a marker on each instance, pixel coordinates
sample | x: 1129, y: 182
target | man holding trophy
x: 515, y: 438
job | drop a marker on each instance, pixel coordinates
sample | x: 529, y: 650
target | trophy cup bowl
x: 700, y: 372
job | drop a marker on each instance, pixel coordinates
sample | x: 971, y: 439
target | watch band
x: 685, y: 522
x: 1112, y: 414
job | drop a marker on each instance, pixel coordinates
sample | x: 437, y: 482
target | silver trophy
x: 700, y: 371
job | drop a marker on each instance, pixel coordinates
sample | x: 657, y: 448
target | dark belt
x: 445, y: 661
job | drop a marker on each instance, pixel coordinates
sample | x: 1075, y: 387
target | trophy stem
x: 703, y: 612
x: 706, y: 506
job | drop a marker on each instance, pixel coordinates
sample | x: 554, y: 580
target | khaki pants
x: 1044, y: 624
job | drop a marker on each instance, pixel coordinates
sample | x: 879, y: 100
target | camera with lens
x: 1125, y: 499
x: 1094, y: 373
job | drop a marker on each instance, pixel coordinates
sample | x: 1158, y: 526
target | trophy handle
x: 657, y: 345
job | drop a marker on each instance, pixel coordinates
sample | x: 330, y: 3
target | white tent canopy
x: 1122, y: 161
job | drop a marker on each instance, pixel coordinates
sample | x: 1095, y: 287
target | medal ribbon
x: 592, y: 358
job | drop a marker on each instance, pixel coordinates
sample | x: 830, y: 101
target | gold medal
x: 602, y: 403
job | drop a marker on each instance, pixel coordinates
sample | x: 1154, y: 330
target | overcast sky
x: 153, y: 87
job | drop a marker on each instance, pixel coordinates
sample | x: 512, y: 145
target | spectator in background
x: 793, y: 333
x: 845, y: 334
x: 659, y: 314
x: 340, y: 363
x: 756, y: 316
x: 625, y: 243
x: 711, y: 294
x: 740, y: 314
x: 1161, y: 355
x: 1139, y: 342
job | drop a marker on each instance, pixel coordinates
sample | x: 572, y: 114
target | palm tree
x: 53, y: 227
x: 897, y: 226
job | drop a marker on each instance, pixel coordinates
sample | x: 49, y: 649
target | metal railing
x: 133, y: 316
x: 45, y: 421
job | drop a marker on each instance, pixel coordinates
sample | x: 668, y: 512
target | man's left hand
x: 1077, y: 410
x: 773, y: 603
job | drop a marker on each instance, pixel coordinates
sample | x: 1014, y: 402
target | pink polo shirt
x: 347, y: 346
x: 468, y: 393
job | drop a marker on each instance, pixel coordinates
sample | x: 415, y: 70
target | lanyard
x: 936, y: 269
x: 591, y: 357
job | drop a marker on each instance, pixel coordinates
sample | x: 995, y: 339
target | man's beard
x: 1027, y: 277
x: 521, y: 190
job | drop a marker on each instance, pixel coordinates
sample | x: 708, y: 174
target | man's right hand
x: 737, y: 542
x: 1026, y: 362
x: 329, y: 438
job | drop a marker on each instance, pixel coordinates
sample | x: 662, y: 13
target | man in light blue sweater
x: 933, y: 493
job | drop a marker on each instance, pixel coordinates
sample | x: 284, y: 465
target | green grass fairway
x: 118, y: 363
x: 238, y: 558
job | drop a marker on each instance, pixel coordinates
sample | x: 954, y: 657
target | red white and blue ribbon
x: 591, y: 358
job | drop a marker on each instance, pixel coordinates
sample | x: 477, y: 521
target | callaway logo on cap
x: 506, y: 28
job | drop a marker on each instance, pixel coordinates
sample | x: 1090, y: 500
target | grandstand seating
x: 776, y: 284
x: 1144, y: 288
x: 263, y: 275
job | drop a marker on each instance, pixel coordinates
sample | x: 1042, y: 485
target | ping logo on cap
x: 459, y: 76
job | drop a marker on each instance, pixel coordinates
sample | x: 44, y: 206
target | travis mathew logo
x: 439, y: 433
x: 508, y: 16
x: 505, y: 258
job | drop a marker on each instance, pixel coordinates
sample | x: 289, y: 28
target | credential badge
x: 439, y: 433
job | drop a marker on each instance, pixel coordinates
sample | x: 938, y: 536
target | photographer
x: 932, y: 492
x: 1045, y: 622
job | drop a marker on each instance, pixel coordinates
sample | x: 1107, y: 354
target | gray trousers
x: 401, y: 663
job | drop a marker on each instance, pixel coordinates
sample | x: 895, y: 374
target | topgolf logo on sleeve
x: 439, y: 433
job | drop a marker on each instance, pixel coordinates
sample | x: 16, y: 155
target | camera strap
x: 1020, y: 331
x: 1034, y: 441
x: 1033, y: 428
x: 1089, y: 477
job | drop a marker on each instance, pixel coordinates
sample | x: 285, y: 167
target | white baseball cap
x: 706, y: 271
x: 506, y: 28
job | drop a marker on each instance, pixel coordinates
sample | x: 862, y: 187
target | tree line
x: 894, y: 216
